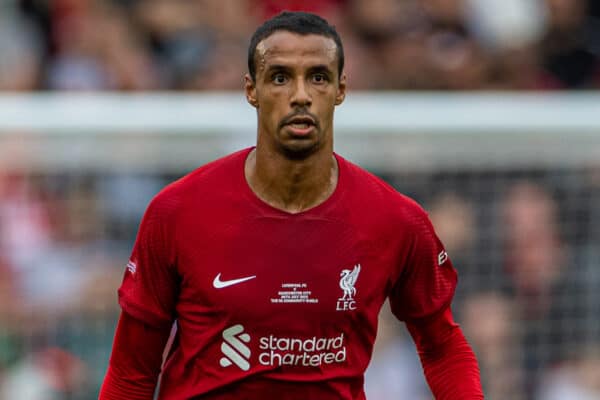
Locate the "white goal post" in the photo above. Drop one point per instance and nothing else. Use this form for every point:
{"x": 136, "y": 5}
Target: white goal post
{"x": 380, "y": 130}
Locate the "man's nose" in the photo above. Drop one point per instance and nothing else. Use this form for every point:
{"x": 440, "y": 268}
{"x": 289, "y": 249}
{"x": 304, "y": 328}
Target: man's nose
{"x": 301, "y": 96}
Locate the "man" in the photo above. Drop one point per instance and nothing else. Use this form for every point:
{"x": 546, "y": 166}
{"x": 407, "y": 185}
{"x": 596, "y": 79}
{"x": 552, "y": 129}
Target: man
{"x": 275, "y": 261}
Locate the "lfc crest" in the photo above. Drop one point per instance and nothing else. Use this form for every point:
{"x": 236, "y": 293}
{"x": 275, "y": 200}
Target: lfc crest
{"x": 347, "y": 282}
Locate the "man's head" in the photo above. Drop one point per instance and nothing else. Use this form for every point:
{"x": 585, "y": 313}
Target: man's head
{"x": 301, "y": 23}
{"x": 295, "y": 80}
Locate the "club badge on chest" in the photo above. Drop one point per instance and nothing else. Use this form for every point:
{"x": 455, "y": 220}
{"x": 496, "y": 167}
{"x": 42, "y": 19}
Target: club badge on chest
{"x": 347, "y": 282}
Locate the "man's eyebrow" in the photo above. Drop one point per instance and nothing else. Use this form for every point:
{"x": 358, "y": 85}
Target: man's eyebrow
{"x": 321, "y": 68}
{"x": 315, "y": 68}
{"x": 278, "y": 67}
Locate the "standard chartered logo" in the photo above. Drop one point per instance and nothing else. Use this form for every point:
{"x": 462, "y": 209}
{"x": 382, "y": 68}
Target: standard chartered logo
{"x": 234, "y": 349}
{"x": 277, "y": 351}
{"x": 311, "y": 352}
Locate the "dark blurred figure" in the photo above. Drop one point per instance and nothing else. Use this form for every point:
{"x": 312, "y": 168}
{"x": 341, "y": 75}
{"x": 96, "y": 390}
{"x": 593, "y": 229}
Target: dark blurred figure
{"x": 418, "y": 44}
{"x": 21, "y": 50}
{"x": 395, "y": 370}
{"x": 554, "y": 288}
{"x": 509, "y": 32}
{"x": 96, "y": 47}
{"x": 570, "y": 50}
{"x": 408, "y": 44}
{"x": 176, "y": 39}
{"x": 578, "y": 379}
{"x": 270, "y": 8}
{"x": 57, "y": 308}
{"x": 457, "y": 60}
{"x": 49, "y": 374}
{"x": 536, "y": 264}
{"x": 535, "y": 253}
{"x": 453, "y": 217}
{"x": 488, "y": 319}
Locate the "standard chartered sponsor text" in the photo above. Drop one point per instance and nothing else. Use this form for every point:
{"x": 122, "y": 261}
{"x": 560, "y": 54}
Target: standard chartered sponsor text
{"x": 311, "y": 352}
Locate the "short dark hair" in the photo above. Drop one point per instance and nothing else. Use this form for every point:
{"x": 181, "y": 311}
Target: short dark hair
{"x": 299, "y": 22}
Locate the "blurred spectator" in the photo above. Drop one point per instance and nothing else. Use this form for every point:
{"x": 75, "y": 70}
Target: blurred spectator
{"x": 52, "y": 374}
{"x": 395, "y": 371}
{"x": 506, "y": 24}
{"x": 224, "y": 70}
{"x": 509, "y": 32}
{"x": 372, "y": 28}
{"x": 57, "y": 281}
{"x": 454, "y": 220}
{"x": 391, "y": 44}
{"x": 579, "y": 379}
{"x": 535, "y": 254}
{"x": 488, "y": 321}
{"x": 592, "y": 197}
{"x": 25, "y": 227}
{"x": 178, "y": 39}
{"x": 321, "y": 7}
{"x": 11, "y": 309}
{"x": 535, "y": 263}
{"x": 555, "y": 289}
{"x": 96, "y": 49}
{"x": 21, "y": 50}
{"x": 567, "y": 50}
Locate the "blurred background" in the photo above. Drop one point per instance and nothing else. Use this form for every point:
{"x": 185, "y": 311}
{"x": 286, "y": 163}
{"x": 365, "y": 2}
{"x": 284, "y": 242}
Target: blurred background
{"x": 484, "y": 111}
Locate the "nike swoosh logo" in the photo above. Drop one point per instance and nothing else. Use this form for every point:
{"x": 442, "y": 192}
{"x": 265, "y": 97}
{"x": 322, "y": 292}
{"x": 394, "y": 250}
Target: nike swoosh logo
{"x": 219, "y": 284}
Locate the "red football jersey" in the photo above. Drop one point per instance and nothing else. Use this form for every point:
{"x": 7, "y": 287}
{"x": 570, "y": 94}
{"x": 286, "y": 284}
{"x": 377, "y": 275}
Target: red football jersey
{"x": 269, "y": 303}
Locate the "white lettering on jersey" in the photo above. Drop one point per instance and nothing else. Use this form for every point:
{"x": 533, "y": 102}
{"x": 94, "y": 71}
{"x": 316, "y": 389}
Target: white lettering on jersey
{"x": 312, "y": 352}
{"x": 294, "y": 292}
{"x": 278, "y": 351}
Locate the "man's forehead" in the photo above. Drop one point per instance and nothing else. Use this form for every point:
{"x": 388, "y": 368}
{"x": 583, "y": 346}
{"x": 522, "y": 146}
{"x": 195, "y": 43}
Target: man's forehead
{"x": 283, "y": 43}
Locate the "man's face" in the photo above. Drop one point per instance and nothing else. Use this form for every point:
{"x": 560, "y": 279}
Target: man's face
{"x": 296, "y": 89}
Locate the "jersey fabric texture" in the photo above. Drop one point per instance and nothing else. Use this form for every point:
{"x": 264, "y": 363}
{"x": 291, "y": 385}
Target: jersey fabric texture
{"x": 272, "y": 302}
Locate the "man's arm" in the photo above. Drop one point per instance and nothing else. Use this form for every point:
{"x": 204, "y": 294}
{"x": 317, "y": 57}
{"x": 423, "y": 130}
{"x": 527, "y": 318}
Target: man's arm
{"x": 135, "y": 361}
{"x": 448, "y": 361}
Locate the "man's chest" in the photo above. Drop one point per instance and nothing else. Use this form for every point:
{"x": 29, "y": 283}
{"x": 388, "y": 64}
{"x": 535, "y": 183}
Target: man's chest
{"x": 268, "y": 269}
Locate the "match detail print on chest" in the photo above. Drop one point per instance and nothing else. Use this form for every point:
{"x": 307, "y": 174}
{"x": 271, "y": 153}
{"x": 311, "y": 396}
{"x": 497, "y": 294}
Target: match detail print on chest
{"x": 313, "y": 264}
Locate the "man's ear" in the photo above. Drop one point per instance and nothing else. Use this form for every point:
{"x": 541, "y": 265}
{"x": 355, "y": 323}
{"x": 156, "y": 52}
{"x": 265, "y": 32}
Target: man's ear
{"x": 341, "y": 90}
{"x": 250, "y": 89}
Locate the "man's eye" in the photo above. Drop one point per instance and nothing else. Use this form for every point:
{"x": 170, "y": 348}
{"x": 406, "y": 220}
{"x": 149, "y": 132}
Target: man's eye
{"x": 279, "y": 79}
{"x": 319, "y": 78}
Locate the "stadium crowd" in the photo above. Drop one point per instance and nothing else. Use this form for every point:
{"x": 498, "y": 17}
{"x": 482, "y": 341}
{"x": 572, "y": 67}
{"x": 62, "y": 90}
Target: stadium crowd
{"x": 391, "y": 44}
{"x": 525, "y": 241}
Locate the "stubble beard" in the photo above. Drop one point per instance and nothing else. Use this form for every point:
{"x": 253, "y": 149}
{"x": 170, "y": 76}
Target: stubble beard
{"x": 299, "y": 151}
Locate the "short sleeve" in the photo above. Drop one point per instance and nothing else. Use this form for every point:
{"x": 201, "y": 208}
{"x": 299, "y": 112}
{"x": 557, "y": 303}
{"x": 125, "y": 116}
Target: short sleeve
{"x": 428, "y": 279}
{"x": 150, "y": 286}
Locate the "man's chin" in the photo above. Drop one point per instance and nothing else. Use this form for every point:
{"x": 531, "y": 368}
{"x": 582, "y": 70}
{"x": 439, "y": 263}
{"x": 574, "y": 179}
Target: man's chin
{"x": 299, "y": 149}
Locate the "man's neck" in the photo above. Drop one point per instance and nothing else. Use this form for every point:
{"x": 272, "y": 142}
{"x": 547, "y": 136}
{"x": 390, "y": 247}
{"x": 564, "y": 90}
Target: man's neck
{"x": 291, "y": 185}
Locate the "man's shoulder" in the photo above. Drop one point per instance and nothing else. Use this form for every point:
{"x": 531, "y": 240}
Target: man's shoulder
{"x": 204, "y": 180}
{"x": 220, "y": 168}
{"x": 378, "y": 192}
